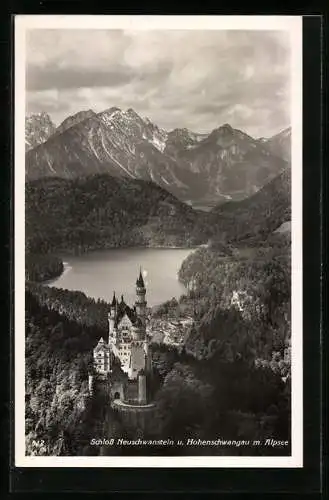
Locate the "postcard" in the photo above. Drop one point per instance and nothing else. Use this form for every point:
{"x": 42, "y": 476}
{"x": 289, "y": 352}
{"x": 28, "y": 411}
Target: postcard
{"x": 158, "y": 241}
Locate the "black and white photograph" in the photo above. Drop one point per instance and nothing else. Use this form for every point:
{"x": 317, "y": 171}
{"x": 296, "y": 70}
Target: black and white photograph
{"x": 158, "y": 311}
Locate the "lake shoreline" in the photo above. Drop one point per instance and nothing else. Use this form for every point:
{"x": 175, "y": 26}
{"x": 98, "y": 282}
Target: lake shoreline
{"x": 75, "y": 253}
{"x": 67, "y": 266}
{"x": 95, "y": 273}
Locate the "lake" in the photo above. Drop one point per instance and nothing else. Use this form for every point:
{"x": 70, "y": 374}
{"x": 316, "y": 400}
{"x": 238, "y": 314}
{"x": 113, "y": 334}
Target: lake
{"x": 99, "y": 273}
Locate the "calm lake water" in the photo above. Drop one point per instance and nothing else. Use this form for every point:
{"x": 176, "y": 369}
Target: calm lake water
{"x": 99, "y": 273}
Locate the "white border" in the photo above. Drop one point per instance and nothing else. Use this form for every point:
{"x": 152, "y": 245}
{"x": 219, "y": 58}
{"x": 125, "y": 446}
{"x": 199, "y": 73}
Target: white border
{"x": 292, "y": 24}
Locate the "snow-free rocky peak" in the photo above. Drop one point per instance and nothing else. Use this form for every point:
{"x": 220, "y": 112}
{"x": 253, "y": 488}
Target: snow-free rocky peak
{"x": 196, "y": 167}
{"x": 38, "y": 128}
{"x": 75, "y": 119}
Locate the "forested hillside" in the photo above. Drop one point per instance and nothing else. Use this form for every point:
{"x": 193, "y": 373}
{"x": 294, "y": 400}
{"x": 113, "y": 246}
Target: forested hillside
{"x": 229, "y": 399}
{"x": 243, "y": 303}
{"x": 257, "y": 216}
{"x": 241, "y": 337}
{"x": 74, "y": 305}
{"x": 42, "y": 267}
{"x": 104, "y": 212}
{"x": 58, "y": 356}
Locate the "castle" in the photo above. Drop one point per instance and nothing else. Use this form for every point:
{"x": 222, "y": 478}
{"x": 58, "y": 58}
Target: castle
{"x": 128, "y": 344}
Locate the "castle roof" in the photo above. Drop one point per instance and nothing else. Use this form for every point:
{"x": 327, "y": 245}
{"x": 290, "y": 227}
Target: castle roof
{"x": 114, "y": 300}
{"x": 123, "y": 310}
{"x": 101, "y": 345}
{"x": 140, "y": 281}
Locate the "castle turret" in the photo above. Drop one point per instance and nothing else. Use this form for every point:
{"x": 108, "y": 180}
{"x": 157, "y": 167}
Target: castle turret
{"x": 148, "y": 357}
{"x": 112, "y": 315}
{"x": 140, "y": 299}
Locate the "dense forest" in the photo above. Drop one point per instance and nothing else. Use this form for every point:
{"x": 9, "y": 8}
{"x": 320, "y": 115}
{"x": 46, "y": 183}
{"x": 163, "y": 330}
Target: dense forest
{"x": 242, "y": 300}
{"x": 74, "y": 305}
{"x": 42, "y": 267}
{"x": 58, "y": 356}
{"x": 213, "y": 398}
{"x": 242, "y": 333}
{"x": 104, "y": 212}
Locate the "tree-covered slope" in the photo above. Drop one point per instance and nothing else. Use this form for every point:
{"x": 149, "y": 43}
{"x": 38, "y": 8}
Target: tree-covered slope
{"x": 259, "y": 215}
{"x": 102, "y": 211}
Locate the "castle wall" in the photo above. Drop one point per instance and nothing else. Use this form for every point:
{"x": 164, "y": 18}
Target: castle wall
{"x": 117, "y": 388}
{"x": 142, "y": 398}
{"x": 140, "y": 419}
{"x": 131, "y": 393}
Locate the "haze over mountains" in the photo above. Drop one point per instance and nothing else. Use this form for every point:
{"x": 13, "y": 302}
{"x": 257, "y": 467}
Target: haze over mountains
{"x": 198, "y": 168}
{"x": 280, "y": 144}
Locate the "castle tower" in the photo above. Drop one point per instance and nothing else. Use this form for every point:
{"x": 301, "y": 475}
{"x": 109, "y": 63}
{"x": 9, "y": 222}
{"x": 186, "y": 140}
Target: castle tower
{"x": 142, "y": 392}
{"x": 112, "y": 316}
{"x": 140, "y": 299}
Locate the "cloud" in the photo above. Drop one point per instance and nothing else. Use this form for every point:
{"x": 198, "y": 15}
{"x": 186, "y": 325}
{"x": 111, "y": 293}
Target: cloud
{"x": 178, "y": 78}
{"x": 65, "y": 79}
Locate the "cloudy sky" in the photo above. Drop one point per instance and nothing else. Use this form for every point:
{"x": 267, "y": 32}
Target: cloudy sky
{"x": 193, "y": 79}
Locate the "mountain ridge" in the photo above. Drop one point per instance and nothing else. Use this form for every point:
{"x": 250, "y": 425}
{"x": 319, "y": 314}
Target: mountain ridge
{"x": 227, "y": 163}
{"x": 279, "y": 144}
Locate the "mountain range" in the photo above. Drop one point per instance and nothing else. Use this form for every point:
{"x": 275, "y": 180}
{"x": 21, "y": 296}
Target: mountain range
{"x": 203, "y": 169}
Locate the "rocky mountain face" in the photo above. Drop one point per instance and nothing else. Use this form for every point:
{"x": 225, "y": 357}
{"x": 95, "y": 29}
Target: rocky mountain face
{"x": 38, "y": 128}
{"x": 230, "y": 164}
{"x": 70, "y": 121}
{"x": 280, "y": 144}
{"x": 180, "y": 140}
{"x": 226, "y": 164}
{"x": 117, "y": 142}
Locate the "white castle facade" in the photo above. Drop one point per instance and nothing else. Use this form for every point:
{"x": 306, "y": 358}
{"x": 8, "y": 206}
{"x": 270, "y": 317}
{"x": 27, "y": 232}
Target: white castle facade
{"x": 127, "y": 342}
